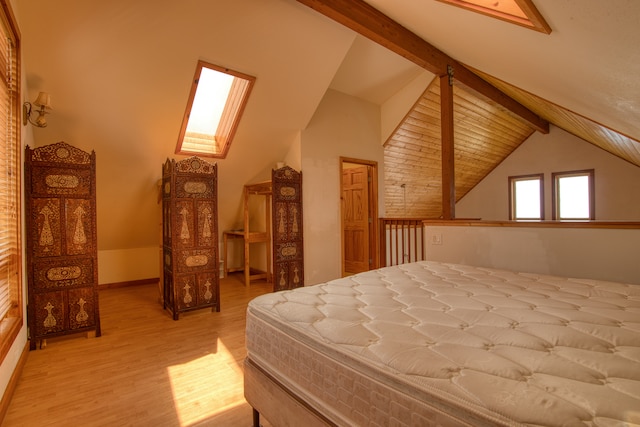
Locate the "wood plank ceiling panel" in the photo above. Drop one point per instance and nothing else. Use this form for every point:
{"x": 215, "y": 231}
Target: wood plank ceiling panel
{"x": 608, "y": 139}
{"x": 484, "y": 135}
{"x": 413, "y": 180}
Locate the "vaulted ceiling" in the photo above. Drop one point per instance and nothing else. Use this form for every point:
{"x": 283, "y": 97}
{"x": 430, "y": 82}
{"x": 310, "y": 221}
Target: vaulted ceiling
{"x": 119, "y": 73}
{"x": 484, "y": 136}
{"x": 586, "y": 65}
{"x": 484, "y": 133}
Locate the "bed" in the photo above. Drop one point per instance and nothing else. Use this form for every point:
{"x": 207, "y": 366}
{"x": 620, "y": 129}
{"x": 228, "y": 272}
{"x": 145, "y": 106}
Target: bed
{"x": 436, "y": 344}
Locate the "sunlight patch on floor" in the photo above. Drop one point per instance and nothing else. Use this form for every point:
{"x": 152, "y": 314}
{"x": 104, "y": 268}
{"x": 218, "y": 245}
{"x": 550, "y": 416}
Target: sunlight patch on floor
{"x": 206, "y": 386}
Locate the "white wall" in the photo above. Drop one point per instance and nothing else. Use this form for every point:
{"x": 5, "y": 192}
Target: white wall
{"x": 342, "y": 126}
{"x": 595, "y": 253}
{"x": 124, "y": 265}
{"x": 609, "y": 254}
{"x": 617, "y": 182}
{"x": 139, "y": 263}
{"x": 293, "y": 158}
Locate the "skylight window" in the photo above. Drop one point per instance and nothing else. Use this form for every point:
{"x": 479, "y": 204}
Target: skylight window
{"x": 216, "y": 102}
{"x": 519, "y": 12}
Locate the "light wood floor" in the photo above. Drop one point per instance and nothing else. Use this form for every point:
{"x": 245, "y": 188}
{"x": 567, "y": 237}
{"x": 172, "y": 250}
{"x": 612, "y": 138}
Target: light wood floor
{"x": 146, "y": 369}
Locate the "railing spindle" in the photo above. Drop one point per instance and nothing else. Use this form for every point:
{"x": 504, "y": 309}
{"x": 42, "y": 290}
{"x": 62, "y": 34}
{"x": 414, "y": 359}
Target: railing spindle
{"x": 401, "y": 241}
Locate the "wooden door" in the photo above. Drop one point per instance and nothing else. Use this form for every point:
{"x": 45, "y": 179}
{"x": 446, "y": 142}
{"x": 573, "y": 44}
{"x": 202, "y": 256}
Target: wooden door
{"x": 355, "y": 217}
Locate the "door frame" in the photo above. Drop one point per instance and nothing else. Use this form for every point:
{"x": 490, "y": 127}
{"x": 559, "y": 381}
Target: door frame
{"x": 372, "y": 188}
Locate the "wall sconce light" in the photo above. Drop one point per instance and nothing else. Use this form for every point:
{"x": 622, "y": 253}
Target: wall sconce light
{"x": 44, "y": 102}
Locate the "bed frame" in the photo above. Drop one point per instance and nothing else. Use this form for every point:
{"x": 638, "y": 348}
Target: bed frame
{"x": 281, "y": 407}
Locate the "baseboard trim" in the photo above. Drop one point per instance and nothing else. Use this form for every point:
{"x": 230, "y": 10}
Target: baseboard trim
{"x": 13, "y": 382}
{"x": 128, "y": 283}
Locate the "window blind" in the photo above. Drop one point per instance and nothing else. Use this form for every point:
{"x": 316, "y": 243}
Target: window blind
{"x": 9, "y": 173}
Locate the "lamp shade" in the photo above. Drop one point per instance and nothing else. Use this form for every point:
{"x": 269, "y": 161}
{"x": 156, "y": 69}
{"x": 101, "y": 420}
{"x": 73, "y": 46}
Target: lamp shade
{"x": 43, "y": 100}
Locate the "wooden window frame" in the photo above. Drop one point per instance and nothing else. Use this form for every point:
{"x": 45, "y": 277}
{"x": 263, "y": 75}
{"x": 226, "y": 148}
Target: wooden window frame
{"x": 512, "y": 195}
{"x": 233, "y": 111}
{"x": 12, "y": 323}
{"x": 555, "y": 194}
{"x": 533, "y": 20}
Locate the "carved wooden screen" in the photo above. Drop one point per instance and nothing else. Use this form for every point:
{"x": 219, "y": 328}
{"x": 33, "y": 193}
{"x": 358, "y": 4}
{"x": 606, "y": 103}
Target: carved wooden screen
{"x": 190, "y": 235}
{"x": 60, "y": 194}
{"x": 286, "y": 205}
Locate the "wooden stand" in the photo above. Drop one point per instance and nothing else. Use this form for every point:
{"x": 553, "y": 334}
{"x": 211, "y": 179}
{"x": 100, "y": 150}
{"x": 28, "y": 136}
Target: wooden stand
{"x": 262, "y": 189}
{"x": 283, "y": 235}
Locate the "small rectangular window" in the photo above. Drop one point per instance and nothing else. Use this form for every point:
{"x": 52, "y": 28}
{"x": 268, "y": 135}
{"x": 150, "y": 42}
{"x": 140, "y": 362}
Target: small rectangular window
{"x": 573, "y": 195}
{"x": 526, "y": 201}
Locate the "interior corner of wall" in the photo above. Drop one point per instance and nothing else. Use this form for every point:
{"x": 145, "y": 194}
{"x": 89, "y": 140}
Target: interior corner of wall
{"x": 293, "y": 157}
{"x": 394, "y": 109}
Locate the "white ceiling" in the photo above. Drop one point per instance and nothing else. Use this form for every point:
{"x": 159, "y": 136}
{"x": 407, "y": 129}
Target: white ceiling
{"x": 372, "y": 72}
{"x": 119, "y": 73}
{"x": 587, "y": 64}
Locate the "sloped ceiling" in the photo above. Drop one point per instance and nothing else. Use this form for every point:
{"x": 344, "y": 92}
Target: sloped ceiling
{"x": 600, "y": 135}
{"x": 413, "y": 185}
{"x": 484, "y": 136}
{"x": 586, "y": 65}
{"x": 119, "y": 74}
{"x": 372, "y": 72}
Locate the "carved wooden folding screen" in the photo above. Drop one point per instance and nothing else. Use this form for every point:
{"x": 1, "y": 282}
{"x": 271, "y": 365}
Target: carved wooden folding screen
{"x": 190, "y": 235}
{"x": 288, "y": 259}
{"x": 62, "y": 266}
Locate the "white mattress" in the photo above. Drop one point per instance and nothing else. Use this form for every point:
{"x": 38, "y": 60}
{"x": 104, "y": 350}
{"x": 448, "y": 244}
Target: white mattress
{"x": 441, "y": 344}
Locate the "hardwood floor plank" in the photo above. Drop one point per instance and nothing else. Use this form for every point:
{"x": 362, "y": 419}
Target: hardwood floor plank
{"x": 146, "y": 369}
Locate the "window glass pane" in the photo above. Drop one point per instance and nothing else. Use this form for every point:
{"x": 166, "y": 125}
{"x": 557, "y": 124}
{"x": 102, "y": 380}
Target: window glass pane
{"x": 573, "y": 197}
{"x": 211, "y": 96}
{"x": 527, "y": 199}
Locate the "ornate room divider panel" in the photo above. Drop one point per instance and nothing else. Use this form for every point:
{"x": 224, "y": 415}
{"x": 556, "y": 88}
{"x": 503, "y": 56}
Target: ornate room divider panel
{"x": 62, "y": 255}
{"x": 288, "y": 259}
{"x": 190, "y": 235}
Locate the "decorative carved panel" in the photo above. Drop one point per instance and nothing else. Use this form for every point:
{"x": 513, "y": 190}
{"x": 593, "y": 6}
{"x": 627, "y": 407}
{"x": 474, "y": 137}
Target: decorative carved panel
{"x": 288, "y": 254}
{"x": 190, "y": 236}
{"x": 61, "y": 241}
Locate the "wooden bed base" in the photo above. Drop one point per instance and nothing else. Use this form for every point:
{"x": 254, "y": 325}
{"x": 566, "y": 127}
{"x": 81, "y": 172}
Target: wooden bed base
{"x": 279, "y": 405}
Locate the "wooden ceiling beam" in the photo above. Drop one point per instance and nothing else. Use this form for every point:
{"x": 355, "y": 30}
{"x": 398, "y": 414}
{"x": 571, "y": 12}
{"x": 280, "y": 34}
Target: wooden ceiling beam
{"x": 448, "y": 150}
{"x": 376, "y": 26}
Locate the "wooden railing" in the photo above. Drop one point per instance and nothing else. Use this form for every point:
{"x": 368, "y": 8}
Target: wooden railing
{"x": 401, "y": 241}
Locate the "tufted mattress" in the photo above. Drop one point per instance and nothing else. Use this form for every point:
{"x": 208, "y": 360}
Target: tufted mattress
{"x": 441, "y": 344}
